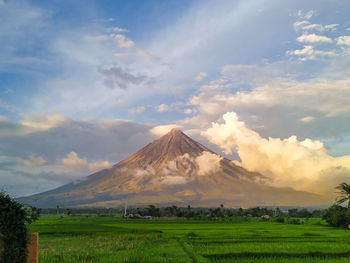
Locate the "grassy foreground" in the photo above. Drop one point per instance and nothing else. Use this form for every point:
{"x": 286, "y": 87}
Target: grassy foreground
{"x": 113, "y": 239}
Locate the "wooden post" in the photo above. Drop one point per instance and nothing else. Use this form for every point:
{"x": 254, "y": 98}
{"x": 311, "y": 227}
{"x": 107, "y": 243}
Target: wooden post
{"x": 1, "y": 244}
{"x": 33, "y": 248}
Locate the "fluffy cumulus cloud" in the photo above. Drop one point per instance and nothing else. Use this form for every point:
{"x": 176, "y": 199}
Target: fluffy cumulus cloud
{"x": 185, "y": 162}
{"x": 343, "y": 40}
{"x": 144, "y": 172}
{"x": 208, "y": 163}
{"x": 317, "y": 46}
{"x": 163, "y": 108}
{"x": 276, "y": 103}
{"x": 72, "y": 160}
{"x": 203, "y": 165}
{"x": 313, "y": 38}
{"x": 301, "y": 164}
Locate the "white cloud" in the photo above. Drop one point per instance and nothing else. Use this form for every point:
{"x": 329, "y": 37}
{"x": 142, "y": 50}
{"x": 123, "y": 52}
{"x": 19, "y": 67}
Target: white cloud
{"x": 122, "y": 41}
{"x": 93, "y": 139}
{"x": 300, "y": 24}
{"x": 200, "y": 76}
{"x": 304, "y": 165}
{"x": 306, "y": 26}
{"x": 313, "y": 38}
{"x": 332, "y": 27}
{"x": 208, "y": 163}
{"x": 137, "y": 110}
{"x": 145, "y": 54}
{"x": 97, "y": 38}
{"x": 119, "y": 30}
{"x": 174, "y": 180}
{"x": 307, "y": 119}
{"x": 312, "y": 27}
{"x": 309, "y": 53}
{"x": 72, "y": 160}
{"x": 164, "y": 108}
{"x": 163, "y": 129}
{"x": 307, "y": 15}
{"x": 188, "y": 111}
{"x": 328, "y": 97}
{"x": 144, "y": 172}
{"x": 343, "y": 40}
{"x": 33, "y": 161}
{"x": 42, "y": 122}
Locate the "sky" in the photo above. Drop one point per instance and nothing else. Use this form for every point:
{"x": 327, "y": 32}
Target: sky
{"x": 83, "y": 84}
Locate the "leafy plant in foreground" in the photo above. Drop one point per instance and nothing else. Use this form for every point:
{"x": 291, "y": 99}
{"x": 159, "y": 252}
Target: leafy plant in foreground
{"x": 344, "y": 194}
{"x": 14, "y": 218}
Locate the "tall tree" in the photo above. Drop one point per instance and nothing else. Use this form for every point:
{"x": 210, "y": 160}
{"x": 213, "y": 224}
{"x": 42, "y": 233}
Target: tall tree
{"x": 344, "y": 194}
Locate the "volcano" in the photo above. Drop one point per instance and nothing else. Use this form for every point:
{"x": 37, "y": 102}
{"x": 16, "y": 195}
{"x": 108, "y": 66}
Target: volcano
{"x": 173, "y": 170}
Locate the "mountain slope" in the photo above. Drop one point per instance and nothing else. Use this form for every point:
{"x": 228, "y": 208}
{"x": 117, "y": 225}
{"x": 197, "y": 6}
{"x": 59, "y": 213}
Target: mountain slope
{"x": 173, "y": 170}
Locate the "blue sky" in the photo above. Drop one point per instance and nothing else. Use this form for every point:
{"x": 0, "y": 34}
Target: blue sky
{"x": 84, "y": 83}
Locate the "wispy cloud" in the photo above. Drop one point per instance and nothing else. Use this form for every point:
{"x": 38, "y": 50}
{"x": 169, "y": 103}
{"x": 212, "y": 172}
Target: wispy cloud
{"x": 137, "y": 110}
{"x": 200, "y": 76}
{"x": 32, "y": 161}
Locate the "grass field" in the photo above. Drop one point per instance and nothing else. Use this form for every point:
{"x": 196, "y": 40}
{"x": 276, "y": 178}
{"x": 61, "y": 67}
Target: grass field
{"x": 113, "y": 239}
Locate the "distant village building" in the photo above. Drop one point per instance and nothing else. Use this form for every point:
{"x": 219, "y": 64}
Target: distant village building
{"x": 137, "y": 216}
{"x": 265, "y": 217}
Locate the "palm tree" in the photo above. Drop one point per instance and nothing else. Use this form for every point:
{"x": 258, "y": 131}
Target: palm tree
{"x": 344, "y": 194}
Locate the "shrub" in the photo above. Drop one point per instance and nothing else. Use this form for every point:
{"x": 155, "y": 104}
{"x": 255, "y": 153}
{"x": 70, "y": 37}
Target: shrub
{"x": 14, "y": 218}
{"x": 295, "y": 221}
{"x": 337, "y": 216}
{"x": 280, "y": 219}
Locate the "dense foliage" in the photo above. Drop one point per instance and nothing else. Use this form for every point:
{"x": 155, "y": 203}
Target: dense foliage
{"x": 221, "y": 213}
{"x": 337, "y": 216}
{"x": 14, "y": 218}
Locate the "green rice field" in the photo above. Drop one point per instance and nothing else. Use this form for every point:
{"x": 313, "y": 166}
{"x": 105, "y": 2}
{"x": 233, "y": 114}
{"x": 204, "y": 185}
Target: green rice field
{"x": 104, "y": 239}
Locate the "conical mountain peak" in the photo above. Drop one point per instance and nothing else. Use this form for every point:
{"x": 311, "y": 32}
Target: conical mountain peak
{"x": 171, "y": 145}
{"x": 176, "y": 131}
{"x": 173, "y": 169}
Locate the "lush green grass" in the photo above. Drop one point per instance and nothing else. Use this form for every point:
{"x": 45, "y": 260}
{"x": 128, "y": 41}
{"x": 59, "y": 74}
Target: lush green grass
{"x": 113, "y": 239}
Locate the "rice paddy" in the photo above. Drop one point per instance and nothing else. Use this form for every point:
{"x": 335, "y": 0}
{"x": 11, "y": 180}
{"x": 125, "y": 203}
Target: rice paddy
{"x": 93, "y": 238}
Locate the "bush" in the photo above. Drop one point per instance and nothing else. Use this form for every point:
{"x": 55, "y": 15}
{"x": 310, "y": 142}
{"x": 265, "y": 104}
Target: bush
{"x": 280, "y": 219}
{"x": 14, "y": 218}
{"x": 295, "y": 221}
{"x": 337, "y": 216}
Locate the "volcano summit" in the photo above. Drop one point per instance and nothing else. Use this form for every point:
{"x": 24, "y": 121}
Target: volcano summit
{"x": 173, "y": 170}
